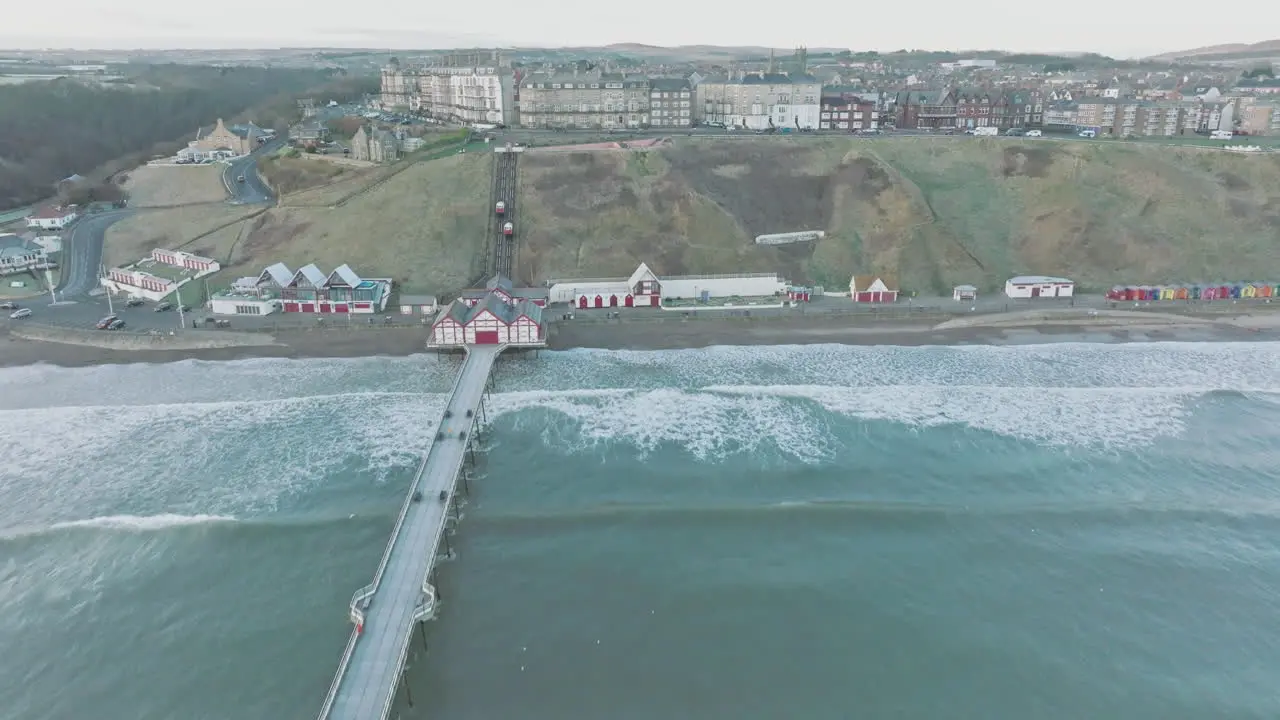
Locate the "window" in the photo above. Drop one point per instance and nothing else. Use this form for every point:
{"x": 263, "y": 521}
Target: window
{"x": 555, "y": 86}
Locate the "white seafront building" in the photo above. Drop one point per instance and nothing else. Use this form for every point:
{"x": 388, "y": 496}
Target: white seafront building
{"x": 1038, "y": 286}
{"x": 643, "y": 288}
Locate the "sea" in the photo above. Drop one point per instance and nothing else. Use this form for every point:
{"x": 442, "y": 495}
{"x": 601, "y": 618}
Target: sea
{"x": 1064, "y": 530}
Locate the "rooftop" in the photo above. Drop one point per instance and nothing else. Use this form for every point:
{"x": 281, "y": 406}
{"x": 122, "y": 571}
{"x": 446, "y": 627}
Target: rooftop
{"x": 1037, "y": 279}
{"x": 162, "y": 270}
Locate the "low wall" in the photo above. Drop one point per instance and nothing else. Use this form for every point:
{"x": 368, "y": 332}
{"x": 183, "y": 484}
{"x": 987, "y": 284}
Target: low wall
{"x": 129, "y": 341}
{"x": 1075, "y": 316}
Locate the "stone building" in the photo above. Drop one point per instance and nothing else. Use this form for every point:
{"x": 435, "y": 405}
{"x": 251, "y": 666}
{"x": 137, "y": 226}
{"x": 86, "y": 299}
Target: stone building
{"x": 584, "y": 100}
{"x": 464, "y": 88}
{"x": 670, "y": 102}
{"x": 760, "y": 101}
{"x": 221, "y": 139}
{"x": 378, "y": 146}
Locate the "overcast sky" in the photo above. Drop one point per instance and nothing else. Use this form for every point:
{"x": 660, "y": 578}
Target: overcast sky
{"x": 1124, "y": 29}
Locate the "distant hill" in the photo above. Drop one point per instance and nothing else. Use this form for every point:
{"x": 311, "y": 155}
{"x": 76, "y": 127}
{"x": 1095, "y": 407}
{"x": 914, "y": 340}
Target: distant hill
{"x": 1223, "y": 51}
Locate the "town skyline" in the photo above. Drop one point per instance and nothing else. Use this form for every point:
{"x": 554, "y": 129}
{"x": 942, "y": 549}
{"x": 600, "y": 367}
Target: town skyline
{"x": 1003, "y": 25}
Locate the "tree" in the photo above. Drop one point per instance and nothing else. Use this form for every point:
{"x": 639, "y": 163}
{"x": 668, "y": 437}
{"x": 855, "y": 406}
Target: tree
{"x": 57, "y": 128}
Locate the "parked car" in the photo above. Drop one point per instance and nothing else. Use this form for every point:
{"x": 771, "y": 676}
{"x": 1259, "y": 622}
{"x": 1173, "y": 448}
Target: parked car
{"x": 186, "y": 308}
{"x": 133, "y": 302}
{"x": 105, "y": 322}
{"x": 162, "y": 307}
{"x": 20, "y": 313}
{"x": 1035, "y": 133}
{"x": 9, "y": 306}
{"x": 116, "y": 324}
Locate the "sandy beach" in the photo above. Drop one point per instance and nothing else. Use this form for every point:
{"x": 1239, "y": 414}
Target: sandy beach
{"x": 677, "y": 333}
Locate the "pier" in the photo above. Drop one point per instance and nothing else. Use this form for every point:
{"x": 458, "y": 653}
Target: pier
{"x": 403, "y": 593}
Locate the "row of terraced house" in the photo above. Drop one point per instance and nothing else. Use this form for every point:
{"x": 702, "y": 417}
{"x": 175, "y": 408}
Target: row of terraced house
{"x": 482, "y": 88}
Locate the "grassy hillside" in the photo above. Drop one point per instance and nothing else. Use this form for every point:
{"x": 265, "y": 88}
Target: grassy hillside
{"x": 935, "y": 211}
{"x": 426, "y": 228}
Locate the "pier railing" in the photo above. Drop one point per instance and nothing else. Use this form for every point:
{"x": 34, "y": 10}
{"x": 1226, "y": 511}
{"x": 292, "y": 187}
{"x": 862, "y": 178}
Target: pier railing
{"x": 440, "y": 530}
{"x": 360, "y": 601}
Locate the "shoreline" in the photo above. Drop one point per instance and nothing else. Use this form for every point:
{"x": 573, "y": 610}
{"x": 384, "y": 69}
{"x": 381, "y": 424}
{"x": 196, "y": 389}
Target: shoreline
{"x": 997, "y": 330}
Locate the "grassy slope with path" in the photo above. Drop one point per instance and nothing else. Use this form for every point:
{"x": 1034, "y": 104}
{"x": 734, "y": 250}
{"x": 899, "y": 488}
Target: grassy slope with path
{"x": 936, "y": 211}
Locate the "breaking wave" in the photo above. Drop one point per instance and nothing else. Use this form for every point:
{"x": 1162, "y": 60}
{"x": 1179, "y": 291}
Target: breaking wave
{"x": 142, "y": 523}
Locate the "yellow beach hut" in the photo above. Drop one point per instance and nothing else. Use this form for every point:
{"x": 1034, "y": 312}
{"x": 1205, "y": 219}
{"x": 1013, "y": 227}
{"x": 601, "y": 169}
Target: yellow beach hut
{"x": 1248, "y": 290}
{"x": 1168, "y": 293}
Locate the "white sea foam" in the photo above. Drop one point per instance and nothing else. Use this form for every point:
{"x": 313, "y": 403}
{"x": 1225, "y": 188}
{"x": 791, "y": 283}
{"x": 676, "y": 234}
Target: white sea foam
{"x": 222, "y": 458}
{"x": 142, "y": 523}
{"x": 706, "y": 425}
{"x": 155, "y": 439}
{"x": 1112, "y": 417}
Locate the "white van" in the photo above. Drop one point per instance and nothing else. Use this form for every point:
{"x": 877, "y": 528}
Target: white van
{"x": 1034, "y": 133}
{"x": 1088, "y": 133}
{"x": 1221, "y": 135}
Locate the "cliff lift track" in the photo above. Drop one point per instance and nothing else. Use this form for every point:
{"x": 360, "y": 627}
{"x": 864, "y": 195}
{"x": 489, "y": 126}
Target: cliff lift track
{"x": 505, "y": 176}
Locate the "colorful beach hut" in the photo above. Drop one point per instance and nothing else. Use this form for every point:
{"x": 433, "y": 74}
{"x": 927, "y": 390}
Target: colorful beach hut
{"x": 1168, "y": 293}
{"x": 1181, "y": 293}
{"x": 1235, "y": 289}
{"x": 1247, "y": 290}
{"x": 1263, "y": 290}
{"x": 1194, "y": 292}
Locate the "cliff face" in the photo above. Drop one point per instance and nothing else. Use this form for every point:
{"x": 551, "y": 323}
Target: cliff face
{"x": 936, "y": 212}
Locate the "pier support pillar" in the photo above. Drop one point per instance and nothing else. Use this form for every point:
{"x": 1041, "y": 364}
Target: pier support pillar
{"x": 408, "y": 692}
{"x": 422, "y": 633}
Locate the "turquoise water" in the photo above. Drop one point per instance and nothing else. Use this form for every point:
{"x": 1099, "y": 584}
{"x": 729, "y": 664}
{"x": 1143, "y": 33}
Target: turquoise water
{"x": 1054, "y": 531}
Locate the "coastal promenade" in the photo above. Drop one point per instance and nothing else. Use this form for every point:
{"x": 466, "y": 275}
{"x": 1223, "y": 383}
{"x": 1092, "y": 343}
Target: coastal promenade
{"x": 402, "y": 594}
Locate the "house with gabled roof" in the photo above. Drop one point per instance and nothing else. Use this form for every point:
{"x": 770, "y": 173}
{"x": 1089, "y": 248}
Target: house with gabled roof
{"x": 502, "y": 286}
{"x": 308, "y": 290}
{"x": 52, "y": 217}
{"x": 873, "y": 289}
{"x": 492, "y": 320}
